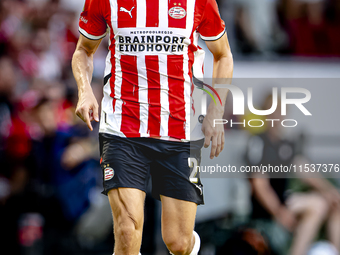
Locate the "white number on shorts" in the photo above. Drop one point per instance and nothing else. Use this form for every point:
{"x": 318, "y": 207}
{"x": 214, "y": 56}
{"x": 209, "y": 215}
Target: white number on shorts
{"x": 192, "y": 162}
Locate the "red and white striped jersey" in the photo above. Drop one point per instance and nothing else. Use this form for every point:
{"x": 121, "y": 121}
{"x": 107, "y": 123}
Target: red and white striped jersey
{"x": 147, "y": 90}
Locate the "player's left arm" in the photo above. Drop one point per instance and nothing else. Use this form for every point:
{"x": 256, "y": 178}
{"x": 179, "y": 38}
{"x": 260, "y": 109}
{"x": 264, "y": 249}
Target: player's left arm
{"x": 222, "y": 74}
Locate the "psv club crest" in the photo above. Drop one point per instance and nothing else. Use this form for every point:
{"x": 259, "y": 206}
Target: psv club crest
{"x": 108, "y": 173}
{"x": 177, "y": 12}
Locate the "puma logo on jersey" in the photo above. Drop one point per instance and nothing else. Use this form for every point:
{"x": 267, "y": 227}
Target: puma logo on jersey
{"x": 122, "y": 9}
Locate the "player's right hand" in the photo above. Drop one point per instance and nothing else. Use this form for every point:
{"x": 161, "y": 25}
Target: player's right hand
{"x": 87, "y": 108}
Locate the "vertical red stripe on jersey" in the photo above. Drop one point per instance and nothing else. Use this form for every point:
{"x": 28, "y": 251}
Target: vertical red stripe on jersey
{"x": 152, "y": 13}
{"x": 127, "y": 13}
{"x": 177, "y": 13}
{"x": 176, "y": 97}
{"x": 154, "y": 95}
{"x": 129, "y": 95}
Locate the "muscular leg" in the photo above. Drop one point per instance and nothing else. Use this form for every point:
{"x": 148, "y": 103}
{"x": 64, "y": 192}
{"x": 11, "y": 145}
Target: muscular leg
{"x": 127, "y": 206}
{"x": 178, "y": 220}
{"x": 312, "y": 209}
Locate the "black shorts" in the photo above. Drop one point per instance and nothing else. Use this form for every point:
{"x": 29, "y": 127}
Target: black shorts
{"x": 129, "y": 162}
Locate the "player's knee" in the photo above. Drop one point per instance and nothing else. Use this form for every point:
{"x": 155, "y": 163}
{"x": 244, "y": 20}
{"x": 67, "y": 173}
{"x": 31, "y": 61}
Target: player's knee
{"x": 178, "y": 244}
{"x": 178, "y": 247}
{"x": 127, "y": 232}
{"x": 129, "y": 228}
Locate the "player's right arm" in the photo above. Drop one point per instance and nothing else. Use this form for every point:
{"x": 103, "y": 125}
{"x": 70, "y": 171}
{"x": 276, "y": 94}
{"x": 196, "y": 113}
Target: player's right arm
{"x": 212, "y": 31}
{"x": 92, "y": 28}
{"x": 82, "y": 67}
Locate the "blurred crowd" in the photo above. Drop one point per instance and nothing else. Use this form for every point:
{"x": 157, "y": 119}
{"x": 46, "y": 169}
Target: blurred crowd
{"x": 48, "y": 158}
{"x": 283, "y": 27}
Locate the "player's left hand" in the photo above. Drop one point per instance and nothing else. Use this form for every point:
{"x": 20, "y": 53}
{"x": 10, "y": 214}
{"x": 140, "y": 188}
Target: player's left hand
{"x": 213, "y": 134}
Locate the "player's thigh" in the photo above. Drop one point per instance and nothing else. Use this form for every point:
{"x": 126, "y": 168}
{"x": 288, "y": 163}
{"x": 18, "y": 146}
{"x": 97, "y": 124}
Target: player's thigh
{"x": 127, "y": 206}
{"x": 178, "y": 217}
{"x": 175, "y": 174}
{"x": 123, "y": 163}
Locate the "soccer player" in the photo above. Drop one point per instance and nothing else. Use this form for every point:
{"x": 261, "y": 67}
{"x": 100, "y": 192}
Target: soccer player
{"x": 146, "y": 109}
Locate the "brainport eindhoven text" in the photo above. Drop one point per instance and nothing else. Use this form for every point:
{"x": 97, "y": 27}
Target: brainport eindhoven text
{"x": 151, "y": 43}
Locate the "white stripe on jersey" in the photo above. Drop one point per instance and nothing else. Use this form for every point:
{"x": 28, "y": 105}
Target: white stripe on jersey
{"x": 195, "y": 38}
{"x": 107, "y": 100}
{"x": 143, "y": 96}
{"x": 142, "y": 76}
{"x": 141, "y": 13}
{"x": 187, "y": 83}
{"x": 163, "y": 71}
{"x": 117, "y": 120}
{"x": 163, "y": 14}
{"x": 190, "y": 15}
{"x": 114, "y": 15}
{"x": 187, "y": 92}
{"x": 114, "y": 117}
{"x": 108, "y": 65}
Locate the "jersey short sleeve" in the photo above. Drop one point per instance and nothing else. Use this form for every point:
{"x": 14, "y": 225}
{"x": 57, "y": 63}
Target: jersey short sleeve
{"x": 92, "y": 24}
{"x": 212, "y": 27}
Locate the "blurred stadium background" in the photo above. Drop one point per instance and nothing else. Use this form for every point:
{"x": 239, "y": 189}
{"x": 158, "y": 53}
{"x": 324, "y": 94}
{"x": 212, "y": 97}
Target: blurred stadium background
{"x": 50, "y": 181}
